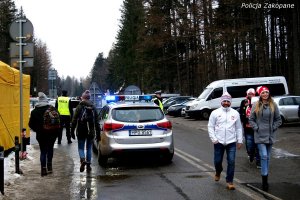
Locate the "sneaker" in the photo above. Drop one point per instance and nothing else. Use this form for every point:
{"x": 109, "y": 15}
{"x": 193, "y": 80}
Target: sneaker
{"x": 258, "y": 166}
{"x": 230, "y": 186}
{"x": 217, "y": 176}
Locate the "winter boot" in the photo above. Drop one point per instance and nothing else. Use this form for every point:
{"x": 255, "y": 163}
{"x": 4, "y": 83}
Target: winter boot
{"x": 88, "y": 167}
{"x": 49, "y": 168}
{"x": 265, "y": 185}
{"x": 230, "y": 186}
{"x": 44, "y": 171}
{"x": 217, "y": 176}
{"x": 83, "y": 163}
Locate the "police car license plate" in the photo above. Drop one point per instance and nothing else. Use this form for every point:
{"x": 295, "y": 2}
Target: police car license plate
{"x": 140, "y": 132}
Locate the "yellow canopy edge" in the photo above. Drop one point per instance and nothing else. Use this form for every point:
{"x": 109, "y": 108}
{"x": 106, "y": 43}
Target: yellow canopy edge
{"x": 10, "y": 105}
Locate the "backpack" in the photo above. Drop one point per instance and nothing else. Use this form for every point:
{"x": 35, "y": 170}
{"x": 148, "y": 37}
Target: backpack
{"x": 248, "y": 113}
{"x": 86, "y": 120}
{"x": 51, "y": 119}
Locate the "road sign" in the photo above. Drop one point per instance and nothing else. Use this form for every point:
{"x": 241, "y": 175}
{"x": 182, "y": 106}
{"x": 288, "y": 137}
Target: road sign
{"x": 52, "y": 74}
{"x": 27, "y": 62}
{"x": 15, "y": 50}
{"x": 27, "y": 30}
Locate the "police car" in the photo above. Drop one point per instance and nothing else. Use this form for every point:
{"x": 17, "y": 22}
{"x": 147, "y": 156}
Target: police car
{"x": 132, "y": 123}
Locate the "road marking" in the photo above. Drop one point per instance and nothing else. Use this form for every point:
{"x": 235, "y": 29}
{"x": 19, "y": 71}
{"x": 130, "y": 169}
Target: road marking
{"x": 196, "y": 162}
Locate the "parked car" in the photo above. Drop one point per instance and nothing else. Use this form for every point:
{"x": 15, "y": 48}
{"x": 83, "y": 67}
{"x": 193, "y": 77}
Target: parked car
{"x": 52, "y": 102}
{"x": 288, "y": 108}
{"x": 129, "y": 124}
{"x": 175, "y": 110}
{"x": 174, "y": 100}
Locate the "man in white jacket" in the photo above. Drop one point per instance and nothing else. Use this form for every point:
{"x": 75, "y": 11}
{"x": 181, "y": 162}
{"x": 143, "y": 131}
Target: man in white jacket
{"x": 225, "y": 132}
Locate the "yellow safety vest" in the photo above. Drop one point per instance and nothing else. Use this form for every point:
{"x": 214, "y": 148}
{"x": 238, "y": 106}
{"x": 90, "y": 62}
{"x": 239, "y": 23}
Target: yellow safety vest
{"x": 63, "y": 105}
{"x": 160, "y": 104}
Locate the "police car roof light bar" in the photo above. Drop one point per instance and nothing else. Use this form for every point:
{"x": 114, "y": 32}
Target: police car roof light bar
{"x": 132, "y": 98}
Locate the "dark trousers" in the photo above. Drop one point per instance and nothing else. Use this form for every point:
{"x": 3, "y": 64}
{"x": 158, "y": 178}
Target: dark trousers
{"x": 251, "y": 147}
{"x": 219, "y": 150}
{"x": 65, "y": 121}
{"x": 46, "y": 148}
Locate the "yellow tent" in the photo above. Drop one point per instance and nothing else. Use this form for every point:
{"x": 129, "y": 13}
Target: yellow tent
{"x": 10, "y": 105}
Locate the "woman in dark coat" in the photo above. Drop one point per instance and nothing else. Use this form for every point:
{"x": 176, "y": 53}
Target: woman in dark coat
{"x": 45, "y": 138}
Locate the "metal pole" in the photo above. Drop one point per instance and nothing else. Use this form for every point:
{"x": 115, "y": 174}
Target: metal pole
{"x": 52, "y": 89}
{"x": 17, "y": 157}
{"x": 2, "y": 169}
{"x": 20, "y": 21}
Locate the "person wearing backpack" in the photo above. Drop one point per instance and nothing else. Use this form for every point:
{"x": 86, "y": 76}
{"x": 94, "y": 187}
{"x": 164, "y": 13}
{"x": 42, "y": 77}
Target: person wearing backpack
{"x": 65, "y": 109}
{"x": 46, "y": 133}
{"x": 85, "y": 120}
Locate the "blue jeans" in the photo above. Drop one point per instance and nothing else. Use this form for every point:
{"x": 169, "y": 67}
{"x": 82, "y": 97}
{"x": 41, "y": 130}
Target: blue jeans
{"x": 218, "y": 159}
{"x": 88, "y": 144}
{"x": 265, "y": 154}
{"x": 251, "y": 147}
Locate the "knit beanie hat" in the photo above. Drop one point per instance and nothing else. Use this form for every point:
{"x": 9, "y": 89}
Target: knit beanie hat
{"x": 261, "y": 89}
{"x": 226, "y": 97}
{"x": 86, "y": 95}
{"x": 250, "y": 91}
{"x": 42, "y": 97}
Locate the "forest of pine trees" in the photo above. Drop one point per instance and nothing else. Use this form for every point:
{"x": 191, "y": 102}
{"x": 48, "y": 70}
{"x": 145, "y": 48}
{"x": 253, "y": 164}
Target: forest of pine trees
{"x": 183, "y": 45}
{"x": 180, "y": 46}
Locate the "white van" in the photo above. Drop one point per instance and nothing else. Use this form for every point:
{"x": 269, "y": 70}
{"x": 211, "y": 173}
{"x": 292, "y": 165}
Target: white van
{"x": 209, "y": 99}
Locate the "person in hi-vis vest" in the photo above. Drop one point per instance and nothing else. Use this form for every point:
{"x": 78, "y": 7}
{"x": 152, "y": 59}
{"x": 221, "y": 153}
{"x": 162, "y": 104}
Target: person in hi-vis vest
{"x": 158, "y": 100}
{"x": 65, "y": 110}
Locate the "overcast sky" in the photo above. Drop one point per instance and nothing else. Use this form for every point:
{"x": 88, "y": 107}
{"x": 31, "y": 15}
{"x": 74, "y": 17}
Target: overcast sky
{"x": 74, "y": 31}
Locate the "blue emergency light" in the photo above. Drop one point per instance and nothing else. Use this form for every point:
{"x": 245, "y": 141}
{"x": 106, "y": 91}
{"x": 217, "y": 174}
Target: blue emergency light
{"x": 132, "y": 98}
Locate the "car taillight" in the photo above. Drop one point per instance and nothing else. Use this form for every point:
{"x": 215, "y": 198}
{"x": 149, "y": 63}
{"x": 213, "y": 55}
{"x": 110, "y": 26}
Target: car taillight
{"x": 167, "y": 125}
{"x": 112, "y": 126}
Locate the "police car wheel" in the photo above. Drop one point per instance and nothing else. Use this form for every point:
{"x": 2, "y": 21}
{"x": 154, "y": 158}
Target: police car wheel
{"x": 167, "y": 157}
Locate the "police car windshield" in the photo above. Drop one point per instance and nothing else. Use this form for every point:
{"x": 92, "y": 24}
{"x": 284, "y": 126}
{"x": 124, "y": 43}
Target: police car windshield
{"x": 137, "y": 114}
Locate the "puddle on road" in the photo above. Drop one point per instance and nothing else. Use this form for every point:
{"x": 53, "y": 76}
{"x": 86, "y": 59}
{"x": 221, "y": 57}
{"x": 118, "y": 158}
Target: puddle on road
{"x": 280, "y": 153}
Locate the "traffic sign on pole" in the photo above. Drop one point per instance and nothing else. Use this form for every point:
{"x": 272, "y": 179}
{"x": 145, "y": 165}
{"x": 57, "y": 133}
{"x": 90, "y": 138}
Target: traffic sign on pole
{"x": 21, "y": 30}
{"x": 27, "y": 30}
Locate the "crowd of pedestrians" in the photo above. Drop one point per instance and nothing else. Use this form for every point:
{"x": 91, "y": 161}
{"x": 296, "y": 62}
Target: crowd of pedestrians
{"x": 258, "y": 121}
{"x": 48, "y": 122}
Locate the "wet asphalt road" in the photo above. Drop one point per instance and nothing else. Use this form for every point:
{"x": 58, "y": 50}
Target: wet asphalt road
{"x": 188, "y": 177}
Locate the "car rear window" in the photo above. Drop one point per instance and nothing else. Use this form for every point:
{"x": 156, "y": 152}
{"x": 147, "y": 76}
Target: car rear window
{"x": 137, "y": 114}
